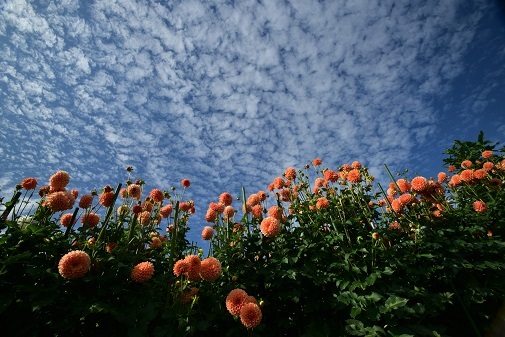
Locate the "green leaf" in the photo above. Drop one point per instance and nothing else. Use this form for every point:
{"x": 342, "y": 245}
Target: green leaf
{"x": 393, "y": 303}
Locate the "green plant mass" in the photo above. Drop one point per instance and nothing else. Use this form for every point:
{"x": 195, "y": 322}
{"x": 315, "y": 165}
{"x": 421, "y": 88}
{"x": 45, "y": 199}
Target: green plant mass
{"x": 320, "y": 252}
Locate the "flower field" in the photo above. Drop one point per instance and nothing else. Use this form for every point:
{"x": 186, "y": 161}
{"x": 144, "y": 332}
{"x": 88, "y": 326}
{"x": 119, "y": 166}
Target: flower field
{"x": 322, "y": 251}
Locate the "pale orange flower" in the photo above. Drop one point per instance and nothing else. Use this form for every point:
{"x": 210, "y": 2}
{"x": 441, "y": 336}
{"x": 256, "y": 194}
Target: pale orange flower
{"x": 134, "y": 191}
{"x": 207, "y": 233}
{"x": 156, "y": 195}
{"x": 250, "y": 315}
{"x": 210, "y": 269}
{"x": 262, "y": 195}
{"x": 229, "y": 212}
{"x": 356, "y": 165}
{"x": 466, "y": 164}
{"x": 479, "y": 206}
{"x": 275, "y": 212}
{"x": 480, "y": 174}
{"x": 322, "y": 203}
{"x": 86, "y": 201}
{"x": 181, "y": 267}
{"x": 330, "y": 175}
{"x": 466, "y": 175}
{"x": 145, "y": 218}
{"x": 106, "y": 199}
{"x": 419, "y": 184}
{"x": 142, "y": 272}
{"x": 253, "y": 200}
{"x": 278, "y": 183}
{"x": 59, "y": 201}
{"x": 90, "y": 219}
{"x": 442, "y": 177}
{"x": 270, "y": 227}
{"x": 29, "y": 183}
{"x": 59, "y": 180}
{"x": 185, "y": 183}
{"x": 487, "y": 154}
{"x": 235, "y": 300}
{"x": 166, "y": 210}
{"x": 455, "y": 180}
{"x": 257, "y": 211}
{"x": 226, "y": 198}
{"x": 290, "y": 173}
{"x": 66, "y": 219}
{"x": 74, "y": 264}
{"x": 354, "y": 176}
{"x": 488, "y": 166}
{"x": 404, "y": 185}
{"x": 317, "y": 162}
{"x": 211, "y": 215}
{"x": 194, "y": 264}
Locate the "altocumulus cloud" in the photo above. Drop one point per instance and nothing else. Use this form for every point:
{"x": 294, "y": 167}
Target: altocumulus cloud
{"x": 226, "y": 93}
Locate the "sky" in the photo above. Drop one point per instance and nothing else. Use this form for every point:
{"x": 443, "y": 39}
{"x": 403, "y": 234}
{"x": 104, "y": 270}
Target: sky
{"x": 230, "y": 93}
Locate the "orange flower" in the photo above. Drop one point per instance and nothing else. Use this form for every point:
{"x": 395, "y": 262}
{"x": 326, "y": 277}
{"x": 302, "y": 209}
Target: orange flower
{"x": 207, "y": 233}
{"x": 419, "y": 184}
{"x": 106, "y": 199}
{"x": 375, "y": 236}
{"x": 354, "y": 176}
{"x": 211, "y": 215}
{"x": 229, "y": 212}
{"x": 210, "y": 269}
{"x": 278, "y": 183}
{"x": 253, "y": 200}
{"x": 156, "y": 195}
{"x": 262, "y": 195}
{"x": 406, "y": 199}
{"x": 480, "y": 174}
{"x": 181, "y": 267}
{"x": 134, "y": 191}
{"x": 392, "y": 191}
{"x": 250, "y": 315}
{"x": 257, "y": 211}
{"x": 455, "y": 180}
{"x": 479, "y": 206}
{"x": 466, "y": 175}
{"x": 317, "y": 162}
{"x": 217, "y": 207}
{"x": 404, "y": 185}
{"x": 145, "y": 218}
{"x": 488, "y": 166}
{"x": 225, "y": 198}
{"x": 90, "y": 219}
{"x": 466, "y": 164}
{"x": 330, "y": 175}
{"x": 487, "y": 154}
{"x": 74, "y": 264}
{"x": 397, "y": 206}
{"x": 442, "y": 177}
{"x": 320, "y": 182}
{"x": 59, "y": 180}
{"x": 29, "y": 183}
{"x": 142, "y": 271}
{"x": 235, "y": 300}
{"x": 155, "y": 243}
{"x": 451, "y": 168}
{"x": 86, "y": 201}
{"x": 66, "y": 219}
{"x": 270, "y": 227}
{"x": 194, "y": 264}
{"x": 322, "y": 203}
{"x": 166, "y": 210}
{"x": 275, "y": 212}
{"x": 290, "y": 173}
{"x": 59, "y": 201}
{"x": 185, "y": 183}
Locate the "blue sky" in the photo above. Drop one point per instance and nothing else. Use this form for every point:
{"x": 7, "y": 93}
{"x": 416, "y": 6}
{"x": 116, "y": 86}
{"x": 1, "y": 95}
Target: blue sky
{"x": 230, "y": 93}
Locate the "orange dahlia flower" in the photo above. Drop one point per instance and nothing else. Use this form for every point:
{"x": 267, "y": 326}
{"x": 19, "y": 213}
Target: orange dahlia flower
{"x": 235, "y": 300}
{"x": 142, "y": 271}
{"x": 250, "y": 315}
{"x": 74, "y": 264}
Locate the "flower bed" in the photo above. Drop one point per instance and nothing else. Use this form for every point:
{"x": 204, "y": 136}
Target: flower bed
{"x": 321, "y": 252}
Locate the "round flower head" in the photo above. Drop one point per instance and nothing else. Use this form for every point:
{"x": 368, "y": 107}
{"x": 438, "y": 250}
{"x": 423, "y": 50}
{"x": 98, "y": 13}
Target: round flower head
{"x": 74, "y": 264}
{"x": 166, "y": 210}
{"x": 59, "y": 201}
{"x": 181, "y": 267}
{"x": 229, "y": 212}
{"x": 134, "y": 191}
{"x": 356, "y": 165}
{"x": 207, "y": 233}
{"x": 86, "y": 201}
{"x": 442, "y": 177}
{"x": 270, "y": 227}
{"x": 488, "y": 166}
{"x": 354, "y": 176}
{"x": 330, "y": 175}
{"x": 487, "y": 154}
{"x": 155, "y": 243}
{"x": 211, "y": 215}
{"x": 466, "y": 164}
{"x": 59, "y": 180}
{"x": 466, "y": 175}
{"x": 278, "y": 183}
{"x": 123, "y": 193}
{"x": 194, "y": 264}
{"x": 90, "y": 219}
{"x": 142, "y": 272}
{"x": 317, "y": 162}
{"x": 290, "y": 173}
{"x": 320, "y": 182}
{"x": 275, "y": 212}
{"x": 66, "y": 219}
{"x": 106, "y": 199}
{"x": 235, "y": 301}
{"x": 479, "y": 206}
{"x": 250, "y": 315}
{"x": 185, "y": 183}
{"x": 253, "y": 200}
{"x": 455, "y": 180}
{"x": 480, "y": 174}
{"x": 156, "y": 195}
{"x": 257, "y": 211}
{"x": 406, "y": 199}
{"x": 210, "y": 269}
{"x": 123, "y": 210}
{"x": 262, "y": 195}
{"x": 403, "y": 184}
{"x": 145, "y": 218}
{"x": 226, "y": 198}
{"x": 322, "y": 203}
{"x": 419, "y": 184}
{"x": 29, "y": 183}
